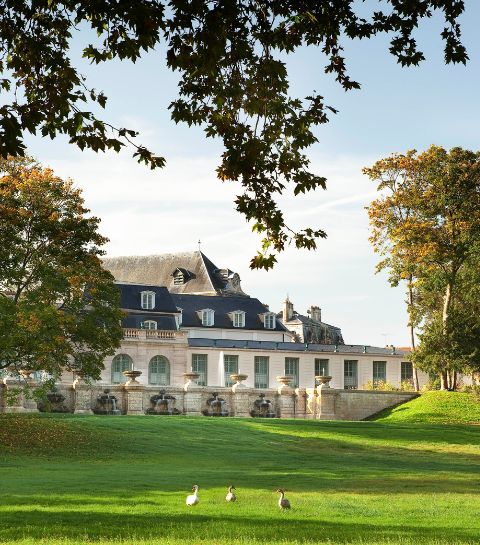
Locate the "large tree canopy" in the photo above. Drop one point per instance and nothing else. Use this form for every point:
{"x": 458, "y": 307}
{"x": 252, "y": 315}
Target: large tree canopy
{"x": 233, "y": 80}
{"x": 426, "y": 226}
{"x": 58, "y": 306}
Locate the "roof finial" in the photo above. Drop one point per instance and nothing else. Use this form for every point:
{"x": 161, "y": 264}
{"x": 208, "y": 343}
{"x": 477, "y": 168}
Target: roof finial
{"x": 199, "y": 245}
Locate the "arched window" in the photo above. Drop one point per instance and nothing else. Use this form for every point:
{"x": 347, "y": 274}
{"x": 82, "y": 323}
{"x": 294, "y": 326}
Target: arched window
{"x": 159, "y": 371}
{"x": 120, "y": 363}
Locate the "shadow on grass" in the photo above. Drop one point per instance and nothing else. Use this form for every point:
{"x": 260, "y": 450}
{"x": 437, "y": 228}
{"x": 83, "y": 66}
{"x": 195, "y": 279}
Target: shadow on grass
{"x": 286, "y": 526}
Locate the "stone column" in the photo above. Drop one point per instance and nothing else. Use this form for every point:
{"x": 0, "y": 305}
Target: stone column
{"x": 325, "y": 399}
{"x": 82, "y": 397}
{"x": 241, "y": 396}
{"x": 134, "y": 393}
{"x": 13, "y": 403}
{"x": 311, "y": 394}
{"x": 29, "y": 402}
{"x": 192, "y": 398}
{"x": 286, "y": 397}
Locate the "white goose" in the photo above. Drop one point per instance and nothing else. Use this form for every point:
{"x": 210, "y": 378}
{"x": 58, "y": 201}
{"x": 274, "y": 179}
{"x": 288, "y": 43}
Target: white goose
{"x": 283, "y": 503}
{"x": 193, "y": 499}
{"x": 230, "y": 495}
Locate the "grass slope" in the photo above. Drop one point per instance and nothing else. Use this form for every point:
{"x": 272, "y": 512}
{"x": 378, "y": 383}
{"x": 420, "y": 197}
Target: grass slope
{"x": 435, "y": 407}
{"x": 126, "y": 478}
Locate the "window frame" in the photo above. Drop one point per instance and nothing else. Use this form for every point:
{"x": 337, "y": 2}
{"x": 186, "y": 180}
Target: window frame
{"x": 149, "y": 322}
{"x": 157, "y": 360}
{"x": 376, "y": 376}
{"x": 403, "y": 378}
{"x": 207, "y": 316}
{"x": 296, "y": 363}
{"x": 318, "y": 364}
{"x": 126, "y": 364}
{"x": 269, "y": 320}
{"x": 204, "y": 373}
{"x": 354, "y": 366}
{"x": 232, "y": 360}
{"x": 238, "y": 318}
{"x": 147, "y": 298}
{"x": 257, "y": 361}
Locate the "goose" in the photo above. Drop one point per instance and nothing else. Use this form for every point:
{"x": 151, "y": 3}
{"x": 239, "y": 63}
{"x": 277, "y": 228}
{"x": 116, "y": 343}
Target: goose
{"x": 283, "y": 503}
{"x": 193, "y": 499}
{"x": 230, "y": 495}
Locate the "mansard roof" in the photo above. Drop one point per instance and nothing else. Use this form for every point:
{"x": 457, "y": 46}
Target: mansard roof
{"x": 223, "y": 306}
{"x": 130, "y": 298}
{"x": 201, "y": 275}
{"x": 341, "y": 349}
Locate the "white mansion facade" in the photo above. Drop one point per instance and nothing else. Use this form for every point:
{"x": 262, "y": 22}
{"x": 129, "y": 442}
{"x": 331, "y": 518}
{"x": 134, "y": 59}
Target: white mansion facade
{"x": 185, "y": 314}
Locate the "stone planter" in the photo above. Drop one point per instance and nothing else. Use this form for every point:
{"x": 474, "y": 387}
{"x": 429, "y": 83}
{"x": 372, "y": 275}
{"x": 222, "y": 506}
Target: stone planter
{"x": 238, "y": 378}
{"x": 190, "y": 380}
{"x": 285, "y": 379}
{"x": 132, "y": 376}
{"x": 323, "y": 381}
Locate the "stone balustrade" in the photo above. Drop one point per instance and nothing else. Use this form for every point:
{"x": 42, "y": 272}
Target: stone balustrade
{"x": 149, "y": 334}
{"x": 321, "y": 402}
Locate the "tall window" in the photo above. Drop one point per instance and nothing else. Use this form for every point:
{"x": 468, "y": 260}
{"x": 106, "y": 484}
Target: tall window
{"x": 148, "y": 300}
{"x": 230, "y": 366}
{"x": 148, "y": 324}
{"x": 291, "y": 368}
{"x": 207, "y": 317}
{"x": 350, "y": 378}
{"x": 120, "y": 363}
{"x": 159, "y": 371}
{"x": 200, "y": 366}
{"x": 406, "y": 371}
{"x": 239, "y": 319}
{"x": 379, "y": 372}
{"x": 321, "y": 367}
{"x": 261, "y": 371}
{"x": 269, "y": 320}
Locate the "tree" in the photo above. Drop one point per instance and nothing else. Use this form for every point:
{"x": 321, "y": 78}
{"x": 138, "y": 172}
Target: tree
{"x": 388, "y": 215}
{"x": 435, "y": 239}
{"x": 59, "y": 309}
{"x": 234, "y": 81}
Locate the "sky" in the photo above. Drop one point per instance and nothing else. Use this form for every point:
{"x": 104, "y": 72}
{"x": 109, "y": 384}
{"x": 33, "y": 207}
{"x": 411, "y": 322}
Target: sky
{"x": 170, "y": 210}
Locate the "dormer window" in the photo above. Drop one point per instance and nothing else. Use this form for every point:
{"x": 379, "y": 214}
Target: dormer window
{"x": 181, "y": 276}
{"x": 148, "y": 324}
{"x": 269, "y": 320}
{"x": 238, "y": 318}
{"x": 207, "y": 316}
{"x": 178, "y": 278}
{"x": 148, "y": 300}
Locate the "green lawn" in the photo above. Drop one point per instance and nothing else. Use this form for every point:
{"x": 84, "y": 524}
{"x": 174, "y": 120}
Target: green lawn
{"x": 435, "y": 408}
{"x": 100, "y": 480}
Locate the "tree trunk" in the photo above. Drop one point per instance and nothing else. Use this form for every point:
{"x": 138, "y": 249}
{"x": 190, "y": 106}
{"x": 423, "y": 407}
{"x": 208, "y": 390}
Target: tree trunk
{"x": 412, "y": 331}
{"x": 447, "y": 300}
{"x": 443, "y": 380}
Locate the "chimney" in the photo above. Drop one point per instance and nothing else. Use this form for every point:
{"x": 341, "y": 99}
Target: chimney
{"x": 287, "y": 312}
{"x": 315, "y": 313}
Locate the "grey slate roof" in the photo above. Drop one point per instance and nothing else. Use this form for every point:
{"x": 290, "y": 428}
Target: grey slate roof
{"x": 204, "y": 276}
{"x": 350, "y": 349}
{"x": 191, "y": 304}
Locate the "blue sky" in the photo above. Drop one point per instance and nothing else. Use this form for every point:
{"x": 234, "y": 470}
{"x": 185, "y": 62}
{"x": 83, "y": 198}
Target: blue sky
{"x": 146, "y": 212}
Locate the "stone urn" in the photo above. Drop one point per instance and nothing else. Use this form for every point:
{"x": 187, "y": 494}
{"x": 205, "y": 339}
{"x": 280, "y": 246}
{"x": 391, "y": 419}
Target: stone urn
{"x": 190, "y": 380}
{"x": 285, "y": 384}
{"x": 238, "y": 378}
{"x": 132, "y": 376}
{"x": 26, "y": 374}
{"x": 323, "y": 381}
